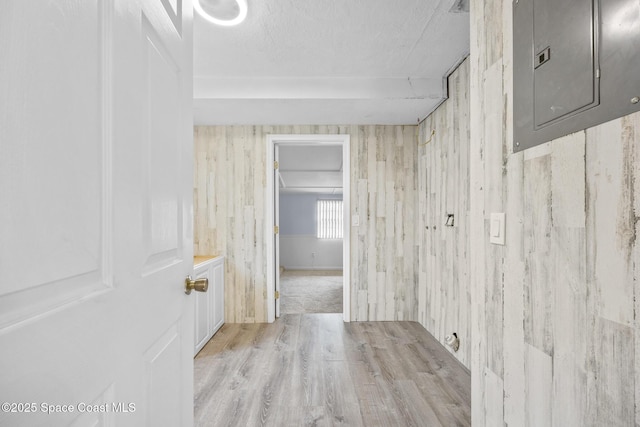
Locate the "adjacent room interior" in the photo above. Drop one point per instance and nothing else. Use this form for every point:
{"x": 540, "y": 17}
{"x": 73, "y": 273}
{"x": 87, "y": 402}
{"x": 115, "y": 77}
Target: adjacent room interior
{"x": 311, "y": 227}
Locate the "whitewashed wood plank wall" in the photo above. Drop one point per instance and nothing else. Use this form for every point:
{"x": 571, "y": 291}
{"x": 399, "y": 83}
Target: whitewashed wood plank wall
{"x": 551, "y": 316}
{"x": 555, "y": 336}
{"x": 444, "y": 300}
{"x": 229, "y": 204}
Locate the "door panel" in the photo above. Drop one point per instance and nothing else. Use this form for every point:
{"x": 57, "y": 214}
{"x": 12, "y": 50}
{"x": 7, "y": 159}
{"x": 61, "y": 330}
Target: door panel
{"x": 203, "y": 312}
{"x": 162, "y": 220}
{"x": 163, "y": 393}
{"x": 95, "y": 205}
{"x": 217, "y": 304}
{"x": 97, "y": 419}
{"x": 70, "y": 255}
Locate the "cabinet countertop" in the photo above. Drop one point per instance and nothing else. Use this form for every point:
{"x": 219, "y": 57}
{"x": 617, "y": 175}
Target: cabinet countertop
{"x": 201, "y": 259}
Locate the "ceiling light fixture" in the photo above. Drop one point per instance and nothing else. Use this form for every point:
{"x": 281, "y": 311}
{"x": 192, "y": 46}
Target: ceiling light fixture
{"x": 242, "y": 14}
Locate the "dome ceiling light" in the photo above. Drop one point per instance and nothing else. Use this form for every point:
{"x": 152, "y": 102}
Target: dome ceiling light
{"x": 242, "y": 14}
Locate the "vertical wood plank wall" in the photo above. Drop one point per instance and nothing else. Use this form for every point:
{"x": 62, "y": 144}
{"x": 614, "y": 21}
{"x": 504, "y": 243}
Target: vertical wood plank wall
{"x": 229, "y": 203}
{"x": 229, "y": 214}
{"x": 551, "y": 316}
{"x": 444, "y": 300}
{"x": 555, "y": 334}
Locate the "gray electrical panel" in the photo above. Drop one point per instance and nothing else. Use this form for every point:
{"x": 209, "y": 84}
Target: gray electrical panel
{"x": 576, "y": 64}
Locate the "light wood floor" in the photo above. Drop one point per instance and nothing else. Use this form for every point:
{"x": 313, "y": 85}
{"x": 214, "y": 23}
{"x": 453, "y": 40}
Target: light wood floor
{"x": 310, "y": 292}
{"x": 315, "y": 370}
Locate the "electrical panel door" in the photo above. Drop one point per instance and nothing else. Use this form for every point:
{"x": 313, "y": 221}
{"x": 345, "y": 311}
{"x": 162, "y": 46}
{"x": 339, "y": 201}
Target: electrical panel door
{"x": 576, "y": 64}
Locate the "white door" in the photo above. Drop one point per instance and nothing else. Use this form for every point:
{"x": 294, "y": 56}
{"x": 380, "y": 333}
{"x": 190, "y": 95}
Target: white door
{"x": 276, "y": 234}
{"x": 95, "y": 213}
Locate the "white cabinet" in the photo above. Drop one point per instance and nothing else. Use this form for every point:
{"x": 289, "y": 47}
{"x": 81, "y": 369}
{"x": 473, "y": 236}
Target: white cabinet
{"x": 209, "y": 306}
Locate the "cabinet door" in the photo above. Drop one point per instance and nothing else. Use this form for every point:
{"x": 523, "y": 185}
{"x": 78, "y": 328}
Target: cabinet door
{"x": 203, "y": 308}
{"x": 218, "y": 296}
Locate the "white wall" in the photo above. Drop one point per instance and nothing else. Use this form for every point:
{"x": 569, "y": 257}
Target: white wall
{"x": 307, "y": 252}
{"x": 300, "y": 249}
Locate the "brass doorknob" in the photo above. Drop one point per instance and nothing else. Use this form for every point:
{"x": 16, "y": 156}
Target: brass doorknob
{"x": 198, "y": 285}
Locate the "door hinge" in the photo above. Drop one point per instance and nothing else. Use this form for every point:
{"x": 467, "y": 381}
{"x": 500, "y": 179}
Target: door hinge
{"x": 276, "y": 229}
{"x": 277, "y": 294}
{"x": 276, "y": 165}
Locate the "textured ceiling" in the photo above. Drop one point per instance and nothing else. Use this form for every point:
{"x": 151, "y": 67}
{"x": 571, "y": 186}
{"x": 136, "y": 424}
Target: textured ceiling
{"x": 310, "y": 169}
{"x": 327, "y": 61}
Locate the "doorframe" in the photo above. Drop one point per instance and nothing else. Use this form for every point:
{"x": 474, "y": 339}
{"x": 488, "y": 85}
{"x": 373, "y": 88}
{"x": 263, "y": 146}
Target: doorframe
{"x": 318, "y": 140}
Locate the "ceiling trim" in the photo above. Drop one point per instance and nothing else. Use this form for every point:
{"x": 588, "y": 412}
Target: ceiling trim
{"x": 317, "y": 88}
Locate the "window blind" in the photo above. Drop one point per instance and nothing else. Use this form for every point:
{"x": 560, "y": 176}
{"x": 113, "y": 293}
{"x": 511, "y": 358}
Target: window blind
{"x": 330, "y": 225}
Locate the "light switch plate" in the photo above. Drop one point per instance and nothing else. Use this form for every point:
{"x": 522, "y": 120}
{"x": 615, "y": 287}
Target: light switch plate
{"x": 355, "y": 220}
{"x": 497, "y": 228}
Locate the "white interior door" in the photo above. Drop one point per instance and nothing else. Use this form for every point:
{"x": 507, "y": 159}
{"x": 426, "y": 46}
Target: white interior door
{"x": 95, "y": 213}
{"x": 276, "y": 235}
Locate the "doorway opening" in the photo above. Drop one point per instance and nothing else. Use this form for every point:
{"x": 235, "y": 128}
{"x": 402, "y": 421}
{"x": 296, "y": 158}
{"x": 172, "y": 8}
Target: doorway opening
{"x": 310, "y": 224}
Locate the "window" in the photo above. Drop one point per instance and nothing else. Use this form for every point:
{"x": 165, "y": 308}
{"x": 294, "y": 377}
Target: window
{"x": 329, "y": 219}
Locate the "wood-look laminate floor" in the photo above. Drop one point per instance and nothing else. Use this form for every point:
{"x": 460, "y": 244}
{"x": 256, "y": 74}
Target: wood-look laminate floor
{"x": 310, "y": 292}
{"x": 315, "y": 370}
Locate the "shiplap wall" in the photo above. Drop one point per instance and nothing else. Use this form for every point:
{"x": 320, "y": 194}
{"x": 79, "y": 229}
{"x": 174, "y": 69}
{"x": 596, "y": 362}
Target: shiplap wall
{"x": 229, "y": 204}
{"x": 444, "y": 300}
{"x": 555, "y": 336}
{"x": 229, "y": 214}
{"x": 384, "y": 246}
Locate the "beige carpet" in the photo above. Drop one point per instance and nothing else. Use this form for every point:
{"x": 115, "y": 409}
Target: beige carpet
{"x": 310, "y": 292}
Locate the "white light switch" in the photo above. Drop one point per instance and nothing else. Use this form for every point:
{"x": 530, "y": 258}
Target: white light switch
{"x": 355, "y": 220}
{"x": 497, "y": 228}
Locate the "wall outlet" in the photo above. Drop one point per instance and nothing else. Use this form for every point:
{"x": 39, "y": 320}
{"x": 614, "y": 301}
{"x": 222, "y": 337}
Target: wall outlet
{"x": 313, "y": 254}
